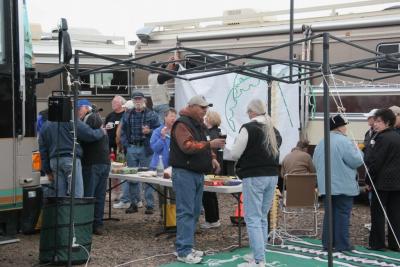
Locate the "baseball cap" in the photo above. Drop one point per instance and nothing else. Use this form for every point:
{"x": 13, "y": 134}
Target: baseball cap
{"x": 199, "y": 100}
{"x": 371, "y": 113}
{"x": 395, "y": 109}
{"x": 137, "y": 94}
{"x": 84, "y": 102}
{"x": 336, "y": 122}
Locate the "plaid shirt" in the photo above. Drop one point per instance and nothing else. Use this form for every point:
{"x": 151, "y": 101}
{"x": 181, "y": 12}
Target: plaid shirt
{"x": 132, "y": 123}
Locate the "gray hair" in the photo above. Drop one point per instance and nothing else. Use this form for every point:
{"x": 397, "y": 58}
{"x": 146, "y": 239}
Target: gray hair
{"x": 120, "y": 99}
{"x": 258, "y": 107}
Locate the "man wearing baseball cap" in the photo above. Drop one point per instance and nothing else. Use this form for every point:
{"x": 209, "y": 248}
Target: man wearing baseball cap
{"x": 370, "y": 133}
{"x": 137, "y": 127}
{"x": 191, "y": 157}
{"x": 95, "y": 164}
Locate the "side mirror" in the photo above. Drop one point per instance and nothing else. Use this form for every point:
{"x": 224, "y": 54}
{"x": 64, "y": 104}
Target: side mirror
{"x": 64, "y": 42}
{"x": 63, "y": 25}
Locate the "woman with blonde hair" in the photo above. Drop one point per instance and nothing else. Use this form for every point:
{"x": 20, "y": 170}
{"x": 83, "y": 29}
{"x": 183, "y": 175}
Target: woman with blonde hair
{"x": 257, "y": 150}
{"x": 210, "y": 201}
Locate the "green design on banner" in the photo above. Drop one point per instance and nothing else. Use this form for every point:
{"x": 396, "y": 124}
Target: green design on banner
{"x": 241, "y": 85}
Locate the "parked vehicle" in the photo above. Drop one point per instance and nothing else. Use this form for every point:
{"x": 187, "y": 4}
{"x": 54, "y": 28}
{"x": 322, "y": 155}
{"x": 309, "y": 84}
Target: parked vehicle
{"x": 245, "y": 31}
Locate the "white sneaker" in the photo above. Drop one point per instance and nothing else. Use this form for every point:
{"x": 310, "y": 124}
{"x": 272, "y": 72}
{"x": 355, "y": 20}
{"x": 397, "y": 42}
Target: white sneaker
{"x": 252, "y": 264}
{"x": 208, "y": 225}
{"x": 121, "y": 205}
{"x": 139, "y": 204}
{"x": 190, "y": 259}
{"x": 197, "y": 253}
{"x": 249, "y": 257}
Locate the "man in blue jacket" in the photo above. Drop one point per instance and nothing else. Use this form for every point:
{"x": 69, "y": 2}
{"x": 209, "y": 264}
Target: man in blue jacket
{"x": 345, "y": 159}
{"x": 56, "y": 145}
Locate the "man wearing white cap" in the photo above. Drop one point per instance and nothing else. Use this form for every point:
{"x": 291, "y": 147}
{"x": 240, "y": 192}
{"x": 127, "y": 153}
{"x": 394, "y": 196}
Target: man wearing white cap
{"x": 371, "y": 132}
{"x": 369, "y": 135}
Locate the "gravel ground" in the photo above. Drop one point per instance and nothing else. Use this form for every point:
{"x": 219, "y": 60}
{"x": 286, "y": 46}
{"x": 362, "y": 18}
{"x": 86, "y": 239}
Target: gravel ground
{"x": 133, "y": 238}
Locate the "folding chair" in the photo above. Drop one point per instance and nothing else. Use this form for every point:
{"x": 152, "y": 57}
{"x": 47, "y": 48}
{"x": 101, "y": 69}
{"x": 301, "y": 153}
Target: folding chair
{"x": 300, "y": 197}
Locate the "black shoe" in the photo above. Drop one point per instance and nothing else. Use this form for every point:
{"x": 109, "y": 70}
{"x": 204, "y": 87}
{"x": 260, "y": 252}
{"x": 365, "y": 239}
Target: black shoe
{"x": 342, "y": 250}
{"x": 98, "y": 230}
{"x": 376, "y": 248}
{"x": 132, "y": 209}
{"x": 149, "y": 211}
{"x": 394, "y": 248}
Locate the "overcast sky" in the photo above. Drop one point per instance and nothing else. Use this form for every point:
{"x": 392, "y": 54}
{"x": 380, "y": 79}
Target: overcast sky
{"x": 124, "y": 17}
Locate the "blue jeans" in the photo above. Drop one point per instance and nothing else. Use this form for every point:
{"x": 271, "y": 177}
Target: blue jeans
{"x": 136, "y": 157}
{"x": 161, "y": 110}
{"x": 188, "y": 187}
{"x": 341, "y": 212}
{"x": 64, "y": 175}
{"x": 258, "y": 193}
{"x": 95, "y": 184}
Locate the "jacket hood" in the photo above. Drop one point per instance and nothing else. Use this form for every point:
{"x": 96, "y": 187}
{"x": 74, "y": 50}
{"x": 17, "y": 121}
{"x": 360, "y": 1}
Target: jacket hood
{"x": 187, "y": 111}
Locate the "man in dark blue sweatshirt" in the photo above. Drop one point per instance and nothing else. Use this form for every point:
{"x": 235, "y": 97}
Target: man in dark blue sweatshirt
{"x": 56, "y": 141}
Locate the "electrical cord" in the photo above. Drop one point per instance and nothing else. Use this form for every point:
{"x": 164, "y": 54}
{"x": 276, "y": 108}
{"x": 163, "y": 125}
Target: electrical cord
{"x": 154, "y": 256}
{"x": 206, "y": 252}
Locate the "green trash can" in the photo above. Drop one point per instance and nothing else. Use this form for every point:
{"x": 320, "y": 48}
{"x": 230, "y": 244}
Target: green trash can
{"x": 54, "y": 233}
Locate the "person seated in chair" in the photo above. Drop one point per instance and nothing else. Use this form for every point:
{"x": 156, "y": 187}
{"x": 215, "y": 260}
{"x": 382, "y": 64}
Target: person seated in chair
{"x": 298, "y": 161}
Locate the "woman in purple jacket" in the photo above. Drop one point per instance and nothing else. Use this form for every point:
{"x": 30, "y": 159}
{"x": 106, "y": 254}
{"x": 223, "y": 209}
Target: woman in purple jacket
{"x": 159, "y": 143}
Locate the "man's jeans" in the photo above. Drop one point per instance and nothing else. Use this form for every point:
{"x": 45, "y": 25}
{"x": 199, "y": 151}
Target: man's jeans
{"x": 341, "y": 212}
{"x": 161, "y": 110}
{"x": 188, "y": 187}
{"x": 95, "y": 183}
{"x": 136, "y": 157}
{"x": 63, "y": 176}
{"x": 258, "y": 194}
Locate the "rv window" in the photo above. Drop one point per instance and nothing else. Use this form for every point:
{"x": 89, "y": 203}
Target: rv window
{"x": 105, "y": 83}
{"x": 112, "y": 83}
{"x": 198, "y": 60}
{"x": 2, "y": 52}
{"x": 388, "y": 49}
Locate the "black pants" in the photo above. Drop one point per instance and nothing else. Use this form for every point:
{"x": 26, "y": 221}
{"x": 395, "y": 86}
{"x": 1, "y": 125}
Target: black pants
{"x": 391, "y": 201}
{"x": 210, "y": 204}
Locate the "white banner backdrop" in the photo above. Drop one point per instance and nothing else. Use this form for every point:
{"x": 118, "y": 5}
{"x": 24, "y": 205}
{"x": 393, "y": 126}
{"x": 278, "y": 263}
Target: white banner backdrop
{"x": 230, "y": 95}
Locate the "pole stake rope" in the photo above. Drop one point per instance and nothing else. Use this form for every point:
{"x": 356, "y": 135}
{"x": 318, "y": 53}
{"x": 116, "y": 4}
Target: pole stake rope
{"x": 342, "y": 111}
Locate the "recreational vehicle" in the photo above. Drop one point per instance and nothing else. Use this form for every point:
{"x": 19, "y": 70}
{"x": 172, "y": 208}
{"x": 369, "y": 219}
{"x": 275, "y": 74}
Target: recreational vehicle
{"x": 99, "y": 88}
{"x": 20, "y": 192}
{"x": 245, "y": 31}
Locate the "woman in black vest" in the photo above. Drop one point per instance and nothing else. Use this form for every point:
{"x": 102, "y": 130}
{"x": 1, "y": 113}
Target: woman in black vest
{"x": 257, "y": 150}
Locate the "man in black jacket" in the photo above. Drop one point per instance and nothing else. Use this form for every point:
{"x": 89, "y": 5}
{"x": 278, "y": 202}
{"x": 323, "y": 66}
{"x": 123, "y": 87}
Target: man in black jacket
{"x": 95, "y": 164}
